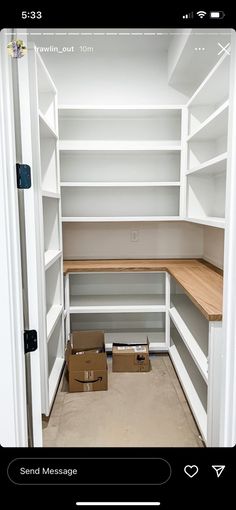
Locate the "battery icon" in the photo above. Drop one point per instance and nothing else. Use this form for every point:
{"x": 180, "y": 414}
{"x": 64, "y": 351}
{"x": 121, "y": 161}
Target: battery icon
{"x": 217, "y": 14}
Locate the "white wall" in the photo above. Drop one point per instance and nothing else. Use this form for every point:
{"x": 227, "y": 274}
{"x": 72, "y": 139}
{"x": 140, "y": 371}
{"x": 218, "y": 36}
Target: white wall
{"x": 106, "y": 240}
{"x": 113, "y": 77}
{"x": 213, "y": 250}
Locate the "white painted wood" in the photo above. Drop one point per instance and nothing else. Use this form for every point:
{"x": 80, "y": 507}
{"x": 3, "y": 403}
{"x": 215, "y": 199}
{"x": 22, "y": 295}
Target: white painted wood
{"x": 188, "y": 68}
{"x": 46, "y": 130}
{"x": 192, "y": 345}
{"x": 190, "y": 392}
{"x": 214, "y": 126}
{"x": 209, "y": 221}
{"x": 52, "y": 240}
{"x": 67, "y": 304}
{"x": 206, "y": 196}
{"x": 34, "y": 255}
{"x": 50, "y": 194}
{"x": 137, "y": 110}
{"x": 53, "y": 315}
{"x": 167, "y": 316}
{"x": 48, "y": 160}
{"x": 228, "y": 361}
{"x": 117, "y": 145}
{"x": 215, "y": 383}
{"x": 155, "y": 125}
{"x": 119, "y": 202}
{"x": 214, "y": 166}
{"x": 114, "y": 184}
{"x": 50, "y": 256}
{"x": 133, "y": 324}
{"x": 13, "y": 427}
{"x": 118, "y": 166}
{"x": 214, "y": 88}
{"x": 46, "y": 165}
{"x": 54, "y": 377}
{"x": 183, "y": 163}
{"x": 99, "y": 219}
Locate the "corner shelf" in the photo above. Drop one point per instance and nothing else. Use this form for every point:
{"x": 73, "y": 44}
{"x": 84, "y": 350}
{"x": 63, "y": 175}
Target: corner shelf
{"x": 213, "y": 166}
{"x": 213, "y": 127}
{"x": 209, "y": 221}
{"x": 195, "y": 403}
{"x": 46, "y": 130}
{"x": 191, "y": 343}
{"x": 50, "y": 194}
{"x": 50, "y": 256}
{"x": 53, "y": 315}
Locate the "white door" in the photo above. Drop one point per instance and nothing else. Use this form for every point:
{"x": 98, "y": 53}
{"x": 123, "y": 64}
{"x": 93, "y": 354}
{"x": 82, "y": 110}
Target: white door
{"x": 14, "y": 82}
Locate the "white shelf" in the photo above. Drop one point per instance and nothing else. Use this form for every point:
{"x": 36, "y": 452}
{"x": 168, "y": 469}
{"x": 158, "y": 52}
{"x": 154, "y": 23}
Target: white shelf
{"x": 213, "y": 127}
{"x": 50, "y": 256}
{"x": 103, "y": 219}
{"x": 191, "y": 343}
{"x": 213, "y": 166}
{"x": 210, "y": 221}
{"x": 54, "y": 378}
{"x": 68, "y": 111}
{"x": 46, "y": 130}
{"x": 215, "y": 86}
{"x": 190, "y": 391}
{"x": 53, "y": 315}
{"x": 118, "y": 184}
{"x": 125, "y": 303}
{"x": 50, "y": 194}
{"x": 117, "y": 308}
{"x": 118, "y": 145}
{"x": 118, "y": 299}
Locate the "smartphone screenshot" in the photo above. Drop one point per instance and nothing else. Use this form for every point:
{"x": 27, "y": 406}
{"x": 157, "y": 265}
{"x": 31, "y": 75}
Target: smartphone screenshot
{"x": 118, "y": 248}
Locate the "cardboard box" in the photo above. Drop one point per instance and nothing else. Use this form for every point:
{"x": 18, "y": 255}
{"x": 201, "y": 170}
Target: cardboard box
{"x": 87, "y": 361}
{"x": 130, "y": 357}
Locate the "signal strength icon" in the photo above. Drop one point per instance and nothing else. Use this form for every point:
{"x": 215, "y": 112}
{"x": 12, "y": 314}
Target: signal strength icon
{"x": 188, "y": 16}
{"x": 201, "y": 14}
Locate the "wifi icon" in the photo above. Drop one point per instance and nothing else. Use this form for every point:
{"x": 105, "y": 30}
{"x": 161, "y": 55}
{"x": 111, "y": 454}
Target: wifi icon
{"x": 201, "y": 14}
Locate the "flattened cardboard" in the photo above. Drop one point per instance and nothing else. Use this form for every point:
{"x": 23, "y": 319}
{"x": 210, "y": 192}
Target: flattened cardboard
{"x": 130, "y": 357}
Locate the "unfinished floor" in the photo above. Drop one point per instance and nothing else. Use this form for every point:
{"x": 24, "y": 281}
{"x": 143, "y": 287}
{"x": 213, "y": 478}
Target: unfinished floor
{"x": 143, "y": 409}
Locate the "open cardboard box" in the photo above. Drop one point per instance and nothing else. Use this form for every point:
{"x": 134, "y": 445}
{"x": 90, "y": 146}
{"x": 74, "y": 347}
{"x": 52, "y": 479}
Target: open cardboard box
{"x": 131, "y": 357}
{"x": 87, "y": 361}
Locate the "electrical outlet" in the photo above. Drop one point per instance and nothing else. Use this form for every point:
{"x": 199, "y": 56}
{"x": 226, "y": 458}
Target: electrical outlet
{"x": 134, "y": 235}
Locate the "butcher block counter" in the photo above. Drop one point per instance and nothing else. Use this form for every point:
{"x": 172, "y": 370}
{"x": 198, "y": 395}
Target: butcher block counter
{"x": 202, "y": 282}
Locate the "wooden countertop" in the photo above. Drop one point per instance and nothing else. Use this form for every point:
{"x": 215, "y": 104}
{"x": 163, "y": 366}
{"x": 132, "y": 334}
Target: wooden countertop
{"x": 203, "y": 284}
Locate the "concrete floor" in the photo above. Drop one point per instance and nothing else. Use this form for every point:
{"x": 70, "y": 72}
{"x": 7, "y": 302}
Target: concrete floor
{"x": 143, "y": 409}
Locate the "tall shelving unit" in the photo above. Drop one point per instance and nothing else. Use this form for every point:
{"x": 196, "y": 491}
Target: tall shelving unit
{"x": 45, "y": 125}
{"x": 207, "y": 147}
{"x": 120, "y": 163}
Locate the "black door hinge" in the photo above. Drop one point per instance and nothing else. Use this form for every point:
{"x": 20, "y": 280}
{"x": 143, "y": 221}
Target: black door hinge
{"x": 30, "y": 340}
{"x": 23, "y": 176}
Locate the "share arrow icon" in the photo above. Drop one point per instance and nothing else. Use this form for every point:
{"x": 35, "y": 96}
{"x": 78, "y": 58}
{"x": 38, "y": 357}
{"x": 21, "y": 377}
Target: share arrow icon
{"x": 219, "y": 470}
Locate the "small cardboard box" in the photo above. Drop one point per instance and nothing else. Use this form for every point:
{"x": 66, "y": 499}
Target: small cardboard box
{"x": 130, "y": 357}
{"x": 87, "y": 361}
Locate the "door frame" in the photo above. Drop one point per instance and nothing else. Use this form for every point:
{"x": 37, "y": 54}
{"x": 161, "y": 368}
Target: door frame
{"x": 13, "y": 381}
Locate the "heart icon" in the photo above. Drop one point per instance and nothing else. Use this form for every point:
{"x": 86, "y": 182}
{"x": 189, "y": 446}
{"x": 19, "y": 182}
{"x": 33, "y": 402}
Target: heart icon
{"x": 191, "y": 471}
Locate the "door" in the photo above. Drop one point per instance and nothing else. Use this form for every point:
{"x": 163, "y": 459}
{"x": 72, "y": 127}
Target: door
{"x": 14, "y": 82}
